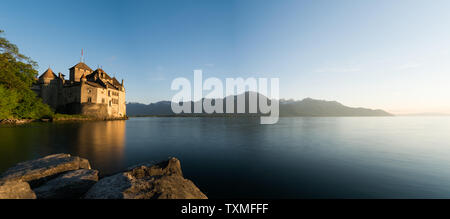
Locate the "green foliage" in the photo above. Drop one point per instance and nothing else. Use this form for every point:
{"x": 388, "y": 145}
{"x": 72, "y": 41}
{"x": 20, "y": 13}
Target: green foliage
{"x": 17, "y": 74}
{"x": 29, "y": 106}
{"x": 8, "y": 102}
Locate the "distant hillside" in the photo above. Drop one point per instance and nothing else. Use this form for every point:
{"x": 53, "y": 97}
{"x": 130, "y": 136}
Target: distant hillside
{"x": 312, "y": 107}
{"x": 159, "y": 108}
{"x": 305, "y": 107}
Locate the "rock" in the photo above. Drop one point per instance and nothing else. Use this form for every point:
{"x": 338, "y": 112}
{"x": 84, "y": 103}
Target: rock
{"x": 38, "y": 169}
{"x": 16, "y": 190}
{"x": 61, "y": 176}
{"x": 70, "y": 185}
{"x": 15, "y": 121}
{"x": 160, "y": 181}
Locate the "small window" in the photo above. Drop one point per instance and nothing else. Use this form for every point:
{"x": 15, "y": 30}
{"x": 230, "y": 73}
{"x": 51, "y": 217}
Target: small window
{"x": 89, "y": 91}
{"x": 89, "y": 100}
{"x": 109, "y": 93}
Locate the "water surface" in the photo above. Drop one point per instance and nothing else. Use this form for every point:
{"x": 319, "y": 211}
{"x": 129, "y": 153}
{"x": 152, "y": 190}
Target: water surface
{"x": 345, "y": 157}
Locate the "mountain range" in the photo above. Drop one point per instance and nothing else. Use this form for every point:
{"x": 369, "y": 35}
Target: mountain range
{"x": 306, "y": 107}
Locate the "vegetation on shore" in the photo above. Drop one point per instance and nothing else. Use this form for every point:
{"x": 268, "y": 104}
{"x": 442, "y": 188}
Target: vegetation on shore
{"x": 17, "y": 74}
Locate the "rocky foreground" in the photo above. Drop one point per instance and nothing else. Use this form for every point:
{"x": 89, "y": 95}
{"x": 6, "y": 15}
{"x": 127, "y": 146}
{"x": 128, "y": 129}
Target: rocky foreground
{"x": 62, "y": 176}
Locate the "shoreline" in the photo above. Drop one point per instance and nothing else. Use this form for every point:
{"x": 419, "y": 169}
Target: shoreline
{"x": 18, "y": 122}
{"x": 249, "y": 116}
{"x": 79, "y": 118}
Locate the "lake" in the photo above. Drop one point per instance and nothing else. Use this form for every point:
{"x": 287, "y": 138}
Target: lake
{"x": 329, "y": 157}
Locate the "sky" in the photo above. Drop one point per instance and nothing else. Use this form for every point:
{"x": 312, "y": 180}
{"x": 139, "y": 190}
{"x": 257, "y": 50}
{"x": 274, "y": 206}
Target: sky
{"x": 381, "y": 54}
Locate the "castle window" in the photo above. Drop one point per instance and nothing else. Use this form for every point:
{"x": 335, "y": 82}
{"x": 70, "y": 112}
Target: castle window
{"x": 89, "y": 91}
{"x": 109, "y": 93}
{"x": 89, "y": 100}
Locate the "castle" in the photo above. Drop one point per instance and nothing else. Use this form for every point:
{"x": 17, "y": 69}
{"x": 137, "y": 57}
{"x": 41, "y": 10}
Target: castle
{"x": 87, "y": 92}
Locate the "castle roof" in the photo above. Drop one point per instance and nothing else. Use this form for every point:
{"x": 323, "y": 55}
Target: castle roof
{"x": 99, "y": 73}
{"x": 116, "y": 82}
{"x": 109, "y": 85}
{"x": 48, "y": 74}
{"x": 81, "y": 65}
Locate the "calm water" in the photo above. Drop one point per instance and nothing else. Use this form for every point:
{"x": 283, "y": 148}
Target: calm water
{"x": 387, "y": 157}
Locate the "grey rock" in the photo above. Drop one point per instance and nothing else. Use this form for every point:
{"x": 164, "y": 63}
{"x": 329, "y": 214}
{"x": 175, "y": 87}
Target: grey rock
{"x": 15, "y": 121}
{"x": 160, "y": 181}
{"x": 16, "y": 190}
{"x": 44, "y": 167}
{"x": 70, "y": 185}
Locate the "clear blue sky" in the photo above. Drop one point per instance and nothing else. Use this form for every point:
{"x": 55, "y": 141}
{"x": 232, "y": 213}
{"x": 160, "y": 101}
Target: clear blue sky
{"x": 393, "y": 55}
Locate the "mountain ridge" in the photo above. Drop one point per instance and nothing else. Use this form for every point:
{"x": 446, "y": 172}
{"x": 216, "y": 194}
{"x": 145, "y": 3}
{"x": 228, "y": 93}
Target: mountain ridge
{"x": 307, "y": 107}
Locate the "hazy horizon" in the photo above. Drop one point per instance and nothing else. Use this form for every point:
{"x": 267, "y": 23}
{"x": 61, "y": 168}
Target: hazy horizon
{"x": 389, "y": 55}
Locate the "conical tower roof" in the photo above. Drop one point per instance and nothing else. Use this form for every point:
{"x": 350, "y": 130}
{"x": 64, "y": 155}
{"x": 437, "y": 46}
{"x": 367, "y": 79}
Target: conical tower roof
{"x": 48, "y": 74}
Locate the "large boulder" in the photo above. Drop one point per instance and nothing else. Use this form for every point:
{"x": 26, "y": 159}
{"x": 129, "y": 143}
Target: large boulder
{"x": 42, "y": 168}
{"x": 70, "y": 185}
{"x": 160, "y": 181}
{"x": 16, "y": 190}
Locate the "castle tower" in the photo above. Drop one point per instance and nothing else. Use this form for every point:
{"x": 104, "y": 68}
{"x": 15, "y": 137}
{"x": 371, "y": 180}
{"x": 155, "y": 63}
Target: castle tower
{"x": 49, "y": 88}
{"x": 47, "y": 76}
{"x": 78, "y": 70}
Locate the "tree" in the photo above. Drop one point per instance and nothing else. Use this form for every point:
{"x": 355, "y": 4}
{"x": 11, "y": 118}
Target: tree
{"x": 17, "y": 74}
{"x": 8, "y": 102}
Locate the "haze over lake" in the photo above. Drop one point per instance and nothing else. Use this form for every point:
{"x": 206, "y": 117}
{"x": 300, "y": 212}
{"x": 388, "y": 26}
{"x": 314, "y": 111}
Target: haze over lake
{"x": 299, "y": 157}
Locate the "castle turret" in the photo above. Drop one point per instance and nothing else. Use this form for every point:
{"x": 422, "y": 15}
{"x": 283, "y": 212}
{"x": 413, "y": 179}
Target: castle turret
{"x": 47, "y": 76}
{"x": 61, "y": 77}
{"x": 78, "y": 70}
{"x": 48, "y": 90}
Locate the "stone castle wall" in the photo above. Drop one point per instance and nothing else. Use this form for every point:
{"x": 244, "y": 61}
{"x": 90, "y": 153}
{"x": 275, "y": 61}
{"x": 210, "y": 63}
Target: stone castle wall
{"x": 87, "y": 109}
{"x": 79, "y": 95}
{"x": 95, "y": 110}
{"x": 85, "y": 100}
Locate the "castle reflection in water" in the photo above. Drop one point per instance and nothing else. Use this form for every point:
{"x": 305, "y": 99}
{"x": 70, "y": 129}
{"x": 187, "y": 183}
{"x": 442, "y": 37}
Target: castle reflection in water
{"x": 99, "y": 141}
{"x": 102, "y": 142}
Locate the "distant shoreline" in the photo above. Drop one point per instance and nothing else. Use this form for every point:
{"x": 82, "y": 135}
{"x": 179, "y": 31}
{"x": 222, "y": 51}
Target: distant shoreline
{"x": 68, "y": 118}
{"x": 15, "y": 122}
{"x": 243, "y": 115}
